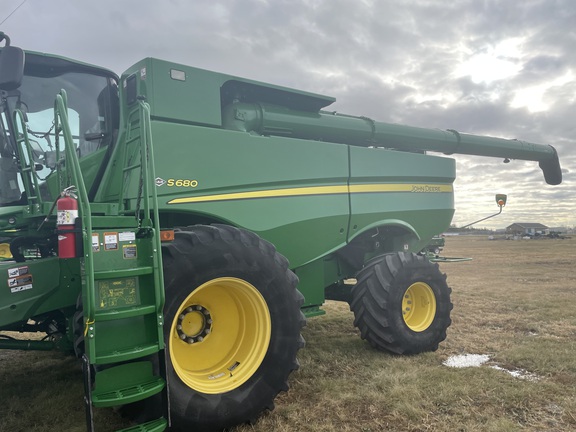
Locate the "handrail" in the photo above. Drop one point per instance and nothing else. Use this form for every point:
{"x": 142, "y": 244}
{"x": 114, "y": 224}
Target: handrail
{"x": 150, "y": 217}
{"x": 148, "y": 174}
{"x": 61, "y": 126}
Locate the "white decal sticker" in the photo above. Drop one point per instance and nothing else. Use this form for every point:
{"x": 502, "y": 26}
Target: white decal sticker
{"x": 127, "y": 236}
{"x": 110, "y": 241}
{"x": 17, "y": 271}
{"x": 95, "y": 242}
{"x": 66, "y": 217}
{"x": 20, "y": 288}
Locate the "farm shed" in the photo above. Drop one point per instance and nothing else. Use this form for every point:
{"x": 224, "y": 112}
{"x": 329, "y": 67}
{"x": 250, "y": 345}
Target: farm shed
{"x": 530, "y": 229}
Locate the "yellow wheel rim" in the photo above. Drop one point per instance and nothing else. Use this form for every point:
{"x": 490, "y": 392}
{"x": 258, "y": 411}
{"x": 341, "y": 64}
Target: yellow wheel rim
{"x": 419, "y": 306}
{"x": 220, "y": 335}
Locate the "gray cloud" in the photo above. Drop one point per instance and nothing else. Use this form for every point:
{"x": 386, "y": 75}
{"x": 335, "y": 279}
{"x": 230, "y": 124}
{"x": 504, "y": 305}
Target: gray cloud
{"x": 394, "y": 61}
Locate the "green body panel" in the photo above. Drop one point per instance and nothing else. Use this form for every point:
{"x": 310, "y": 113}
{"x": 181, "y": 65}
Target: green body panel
{"x": 277, "y": 174}
{"x": 198, "y": 97}
{"x": 312, "y": 282}
{"x": 417, "y": 194}
{"x": 36, "y": 287}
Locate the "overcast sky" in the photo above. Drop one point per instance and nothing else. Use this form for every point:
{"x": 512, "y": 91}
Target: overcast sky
{"x": 499, "y": 68}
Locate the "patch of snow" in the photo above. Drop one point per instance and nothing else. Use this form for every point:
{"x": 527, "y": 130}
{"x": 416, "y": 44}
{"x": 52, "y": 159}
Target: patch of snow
{"x": 518, "y": 373}
{"x": 466, "y": 360}
{"x": 477, "y": 360}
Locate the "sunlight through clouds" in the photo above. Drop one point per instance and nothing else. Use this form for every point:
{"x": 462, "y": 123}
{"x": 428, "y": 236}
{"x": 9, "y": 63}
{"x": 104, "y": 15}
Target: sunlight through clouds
{"x": 533, "y": 98}
{"x": 491, "y": 63}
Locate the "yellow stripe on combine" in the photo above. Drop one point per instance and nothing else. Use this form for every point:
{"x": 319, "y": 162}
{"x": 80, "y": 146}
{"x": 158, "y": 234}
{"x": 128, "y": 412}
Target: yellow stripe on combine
{"x": 422, "y": 188}
{"x": 319, "y": 190}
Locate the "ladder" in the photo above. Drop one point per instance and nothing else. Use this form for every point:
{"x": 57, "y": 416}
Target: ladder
{"x": 122, "y": 284}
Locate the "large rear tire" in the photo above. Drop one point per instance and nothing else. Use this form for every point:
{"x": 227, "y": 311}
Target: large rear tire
{"x": 401, "y": 303}
{"x": 232, "y": 329}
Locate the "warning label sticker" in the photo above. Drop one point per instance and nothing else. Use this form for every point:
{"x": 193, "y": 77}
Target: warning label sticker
{"x": 118, "y": 293}
{"x": 127, "y": 236}
{"x": 111, "y": 241}
{"x": 95, "y": 242}
{"x": 66, "y": 217}
{"x": 129, "y": 251}
{"x": 18, "y": 271}
{"x": 20, "y": 280}
{"x": 20, "y": 288}
{"x": 20, "y": 283}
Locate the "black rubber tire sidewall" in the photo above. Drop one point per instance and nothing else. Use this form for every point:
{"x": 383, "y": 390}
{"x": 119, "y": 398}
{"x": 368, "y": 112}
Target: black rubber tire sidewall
{"x": 377, "y": 303}
{"x": 204, "y": 253}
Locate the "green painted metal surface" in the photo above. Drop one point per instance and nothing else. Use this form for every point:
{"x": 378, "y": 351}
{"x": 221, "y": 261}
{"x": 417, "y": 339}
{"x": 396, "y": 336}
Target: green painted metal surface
{"x": 126, "y": 383}
{"x": 34, "y": 287}
{"x": 157, "y": 425}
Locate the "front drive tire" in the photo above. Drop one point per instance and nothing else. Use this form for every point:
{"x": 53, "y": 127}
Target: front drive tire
{"x": 232, "y": 329}
{"x": 401, "y": 303}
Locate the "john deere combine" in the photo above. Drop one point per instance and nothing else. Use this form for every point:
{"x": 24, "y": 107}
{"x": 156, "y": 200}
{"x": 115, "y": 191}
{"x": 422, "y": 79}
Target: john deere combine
{"x": 174, "y": 226}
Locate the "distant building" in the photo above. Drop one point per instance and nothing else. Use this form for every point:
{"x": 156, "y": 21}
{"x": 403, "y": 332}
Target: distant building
{"x": 530, "y": 229}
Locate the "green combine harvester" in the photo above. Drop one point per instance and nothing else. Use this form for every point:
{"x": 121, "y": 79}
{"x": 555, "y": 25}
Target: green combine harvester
{"x": 173, "y": 227}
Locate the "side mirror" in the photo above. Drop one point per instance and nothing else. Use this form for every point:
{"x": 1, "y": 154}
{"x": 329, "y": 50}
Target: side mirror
{"x": 11, "y": 67}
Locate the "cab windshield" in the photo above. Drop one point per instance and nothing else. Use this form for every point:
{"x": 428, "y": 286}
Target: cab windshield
{"x": 92, "y": 115}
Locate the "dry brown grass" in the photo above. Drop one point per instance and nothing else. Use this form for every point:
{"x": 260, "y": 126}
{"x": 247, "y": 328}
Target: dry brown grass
{"x": 515, "y": 301}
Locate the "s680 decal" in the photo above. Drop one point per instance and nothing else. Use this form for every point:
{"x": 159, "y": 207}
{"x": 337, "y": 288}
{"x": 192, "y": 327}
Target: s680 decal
{"x": 173, "y": 182}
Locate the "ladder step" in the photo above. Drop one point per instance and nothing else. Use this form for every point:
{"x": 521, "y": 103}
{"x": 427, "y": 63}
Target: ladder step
{"x": 125, "y": 313}
{"x": 126, "y": 383}
{"x": 112, "y": 274}
{"x": 127, "y": 354}
{"x": 157, "y": 425}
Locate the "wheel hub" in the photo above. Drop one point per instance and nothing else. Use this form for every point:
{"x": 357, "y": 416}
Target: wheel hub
{"x": 419, "y": 306}
{"x": 194, "y": 324}
{"x": 218, "y": 357}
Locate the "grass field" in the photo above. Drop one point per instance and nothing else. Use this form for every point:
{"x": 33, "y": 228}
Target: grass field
{"x": 515, "y": 302}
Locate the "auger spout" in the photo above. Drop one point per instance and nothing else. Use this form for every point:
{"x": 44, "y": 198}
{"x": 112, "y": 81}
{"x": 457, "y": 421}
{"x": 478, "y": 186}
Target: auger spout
{"x": 268, "y": 119}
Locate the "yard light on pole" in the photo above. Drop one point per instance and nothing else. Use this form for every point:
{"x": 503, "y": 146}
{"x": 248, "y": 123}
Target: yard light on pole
{"x": 501, "y": 201}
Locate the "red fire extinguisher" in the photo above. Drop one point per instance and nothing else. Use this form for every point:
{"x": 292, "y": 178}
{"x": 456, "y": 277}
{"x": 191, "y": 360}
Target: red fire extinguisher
{"x": 67, "y": 212}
